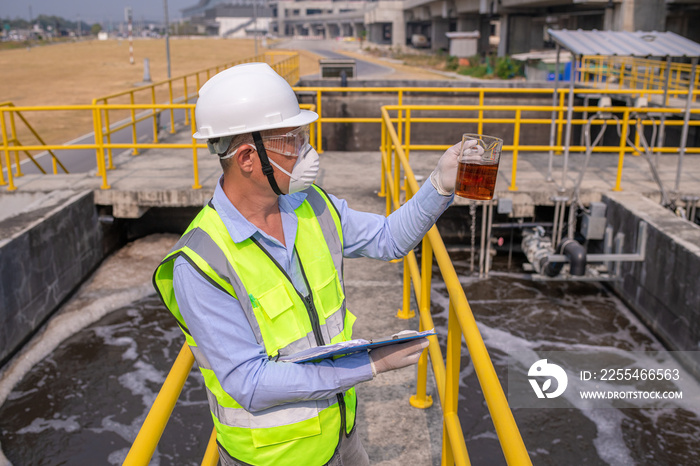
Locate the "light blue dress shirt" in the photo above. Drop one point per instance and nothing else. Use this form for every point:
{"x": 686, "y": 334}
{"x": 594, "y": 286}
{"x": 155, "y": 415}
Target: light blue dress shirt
{"x": 219, "y": 326}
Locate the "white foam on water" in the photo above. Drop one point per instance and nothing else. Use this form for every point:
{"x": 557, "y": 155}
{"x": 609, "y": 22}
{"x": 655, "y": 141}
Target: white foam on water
{"x": 39, "y": 425}
{"x": 609, "y": 442}
{"x": 57, "y": 330}
{"x": 136, "y": 381}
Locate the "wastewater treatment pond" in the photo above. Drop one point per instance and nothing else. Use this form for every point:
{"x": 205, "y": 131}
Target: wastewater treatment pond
{"x": 84, "y": 403}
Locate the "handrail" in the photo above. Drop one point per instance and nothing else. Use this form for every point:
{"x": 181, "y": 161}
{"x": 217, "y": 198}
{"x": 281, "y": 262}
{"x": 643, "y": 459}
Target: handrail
{"x": 478, "y": 113}
{"x": 631, "y": 116}
{"x": 461, "y": 323}
{"x": 152, "y": 428}
{"x": 479, "y": 93}
{"x": 100, "y": 146}
{"x": 286, "y": 64}
{"x": 13, "y": 138}
{"x": 637, "y": 73}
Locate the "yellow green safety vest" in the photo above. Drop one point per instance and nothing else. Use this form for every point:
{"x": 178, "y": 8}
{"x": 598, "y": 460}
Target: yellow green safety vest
{"x": 283, "y": 321}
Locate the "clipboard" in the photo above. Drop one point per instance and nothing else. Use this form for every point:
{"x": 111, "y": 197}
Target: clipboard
{"x": 353, "y": 346}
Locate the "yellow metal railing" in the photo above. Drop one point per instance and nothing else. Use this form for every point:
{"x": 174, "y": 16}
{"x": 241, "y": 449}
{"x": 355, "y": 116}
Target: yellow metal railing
{"x": 523, "y": 115}
{"x": 101, "y": 147}
{"x": 11, "y": 138}
{"x": 152, "y": 428}
{"x": 480, "y": 114}
{"x": 180, "y": 89}
{"x": 461, "y": 323}
{"x": 638, "y": 73}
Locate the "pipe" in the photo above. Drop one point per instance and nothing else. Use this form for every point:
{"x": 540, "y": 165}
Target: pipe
{"x": 553, "y": 124}
{"x": 576, "y": 254}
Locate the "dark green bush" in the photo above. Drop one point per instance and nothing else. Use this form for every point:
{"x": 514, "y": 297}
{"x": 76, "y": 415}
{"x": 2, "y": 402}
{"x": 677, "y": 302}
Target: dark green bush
{"x": 507, "y": 68}
{"x": 452, "y": 63}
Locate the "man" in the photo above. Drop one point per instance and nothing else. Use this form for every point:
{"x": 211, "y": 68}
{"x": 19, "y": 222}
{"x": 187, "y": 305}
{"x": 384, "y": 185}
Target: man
{"x": 258, "y": 275}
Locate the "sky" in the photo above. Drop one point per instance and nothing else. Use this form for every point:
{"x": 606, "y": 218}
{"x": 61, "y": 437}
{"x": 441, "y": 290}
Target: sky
{"x": 94, "y": 11}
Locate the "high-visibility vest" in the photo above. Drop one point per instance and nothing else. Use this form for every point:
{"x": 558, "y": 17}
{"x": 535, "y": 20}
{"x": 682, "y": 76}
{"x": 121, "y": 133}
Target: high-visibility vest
{"x": 283, "y": 321}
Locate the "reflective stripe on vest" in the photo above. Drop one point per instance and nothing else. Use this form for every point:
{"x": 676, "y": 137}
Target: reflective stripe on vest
{"x": 269, "y": 301}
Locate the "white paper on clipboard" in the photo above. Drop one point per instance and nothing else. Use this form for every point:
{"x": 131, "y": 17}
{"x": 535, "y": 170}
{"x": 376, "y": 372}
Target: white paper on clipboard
{"x": 353, "y": 346}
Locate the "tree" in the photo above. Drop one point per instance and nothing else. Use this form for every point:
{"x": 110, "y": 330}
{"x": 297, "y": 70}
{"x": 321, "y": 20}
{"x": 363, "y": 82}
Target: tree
{"x": 95, "y": 29}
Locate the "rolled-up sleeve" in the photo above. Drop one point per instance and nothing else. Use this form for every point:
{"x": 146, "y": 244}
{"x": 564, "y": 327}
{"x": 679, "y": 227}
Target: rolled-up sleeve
{"x": 218, "y": 324}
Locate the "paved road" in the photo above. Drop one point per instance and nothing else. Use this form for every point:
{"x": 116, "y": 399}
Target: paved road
{"x": 334, "y": 49}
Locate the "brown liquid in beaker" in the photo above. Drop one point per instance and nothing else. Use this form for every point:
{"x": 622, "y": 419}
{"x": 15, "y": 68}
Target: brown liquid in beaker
{"x": 476, "y": 181}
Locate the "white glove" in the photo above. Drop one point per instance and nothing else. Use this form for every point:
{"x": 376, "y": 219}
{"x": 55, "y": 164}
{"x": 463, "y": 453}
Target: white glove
{"x": 388, "y": 358}
{"x": 445, "y": 174}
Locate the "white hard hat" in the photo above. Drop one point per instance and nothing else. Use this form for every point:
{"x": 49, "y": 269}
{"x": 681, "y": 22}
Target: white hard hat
{"x": 247, "y": 98}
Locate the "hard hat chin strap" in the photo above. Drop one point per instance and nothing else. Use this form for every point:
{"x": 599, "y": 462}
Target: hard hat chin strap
{"x": 265, "y": 162}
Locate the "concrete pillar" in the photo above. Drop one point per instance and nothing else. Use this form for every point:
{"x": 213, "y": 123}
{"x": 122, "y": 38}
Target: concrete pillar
{"x": 649, "y": 15}
{"x": 438, "y": 39}
{"x": 327, "y": 31}
{"x": 609, "y": 18}
{"x": 503, "y": 44}
{"x": 398, "y": 33}
{"x": 483, "y": 46}
{"x": 625, "y": 20}
{"x": 281, "y": 12}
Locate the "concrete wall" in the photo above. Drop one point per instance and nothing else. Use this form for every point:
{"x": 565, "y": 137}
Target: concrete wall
{"x": 45, "y": 254}
{"x": 664, "y": 289}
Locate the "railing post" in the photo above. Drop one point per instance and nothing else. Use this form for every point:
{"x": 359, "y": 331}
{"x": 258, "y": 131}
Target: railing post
{"x": 400, "y": 120}
{"x": 172, "y": 110}
{"x": 480, "y": 125}
{"x": 407, "y": 141}
{"x": 101, "y": 170}
{"x": 426, "y": 274}
{"x": 516, "y": 143}
{"x": 152, "y": 428}
{"x": 560, "y": 121}
{"x": 6, "y": 143}
{"x": 421, "y": 399}
{"x": 397, "y": 176}
{"x": 623, "y": 146}
{"x": 319, "y": 137}
{"x": 134, "y": 137}
{"x": 13, "y": 133}
{"x": 453, "y": 358}
{"x": 195, "y": 163}
{"x": 108, "y": 133}
{"x": 211, "y": 455}
{"x": 187, "y": 100}
{"x": 382, "y": 151}
{"x": 405, "y": 312}
{"x": 155, "y": 115}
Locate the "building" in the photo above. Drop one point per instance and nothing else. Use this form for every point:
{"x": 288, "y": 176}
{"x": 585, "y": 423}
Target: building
{"x": 520, "y": 25}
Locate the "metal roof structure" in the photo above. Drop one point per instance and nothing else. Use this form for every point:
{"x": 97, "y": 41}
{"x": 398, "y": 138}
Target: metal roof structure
{"x": 633, "y": 44}
{"x": 629, "y": 44}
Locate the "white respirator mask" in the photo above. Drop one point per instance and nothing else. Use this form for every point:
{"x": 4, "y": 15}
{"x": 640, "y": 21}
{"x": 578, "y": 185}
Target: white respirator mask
{"x": 304, "y": 171}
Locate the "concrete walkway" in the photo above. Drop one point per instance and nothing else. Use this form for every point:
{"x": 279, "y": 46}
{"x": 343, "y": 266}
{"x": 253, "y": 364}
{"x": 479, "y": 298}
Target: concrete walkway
{"x": 164, "y": 177}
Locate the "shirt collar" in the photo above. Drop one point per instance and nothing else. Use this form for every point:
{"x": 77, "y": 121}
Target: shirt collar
{"x": 238, "y": 226}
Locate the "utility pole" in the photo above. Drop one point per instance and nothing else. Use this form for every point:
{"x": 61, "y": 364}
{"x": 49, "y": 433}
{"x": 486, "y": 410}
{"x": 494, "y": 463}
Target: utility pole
{"x": 80, "y": 28}
{"x": 255, "y": 26}
{"x": 167, "y": 35}
{"x": 30, "y": 16}
{"x": 127, "y": 13}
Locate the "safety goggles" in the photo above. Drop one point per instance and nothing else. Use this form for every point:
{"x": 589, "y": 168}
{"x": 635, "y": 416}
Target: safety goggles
{"x": 293, "y": 143}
